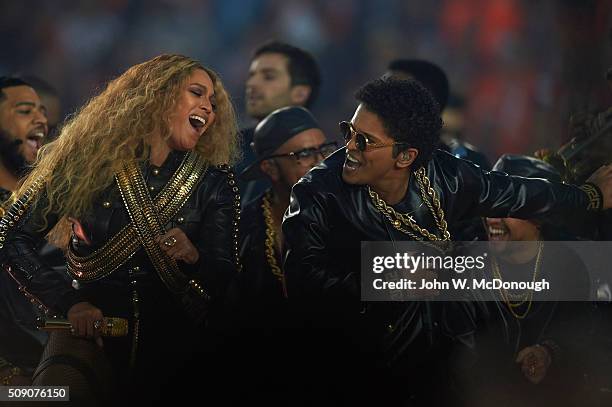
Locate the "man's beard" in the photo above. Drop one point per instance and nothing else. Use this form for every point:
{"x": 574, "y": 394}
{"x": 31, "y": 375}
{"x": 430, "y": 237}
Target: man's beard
{"x": 11, "y": 157}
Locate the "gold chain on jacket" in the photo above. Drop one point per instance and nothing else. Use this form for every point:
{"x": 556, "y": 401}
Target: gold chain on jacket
{"x": 12, "y": 215}
{"x": 522, "y": 298}
{"x": 145, "y": 220}
{"x": 126, "y": 242}
{"x": 271, "y": 238}
{"x": 10, "y": 218}
{"x": 399, "y": 220}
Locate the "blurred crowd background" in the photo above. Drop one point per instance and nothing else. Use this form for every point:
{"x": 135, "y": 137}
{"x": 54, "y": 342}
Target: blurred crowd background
{"x": 522, "y": 66}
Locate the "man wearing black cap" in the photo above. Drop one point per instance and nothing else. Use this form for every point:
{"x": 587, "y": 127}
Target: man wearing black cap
{"x": 522, "y": 337}
{"x": 287, "y": 144}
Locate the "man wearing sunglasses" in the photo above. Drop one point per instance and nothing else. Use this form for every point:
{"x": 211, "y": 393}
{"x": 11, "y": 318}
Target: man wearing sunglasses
{"x": 388, "y": 184}
{"x": 434, "y": 79}
{"x": 287, "y": 144}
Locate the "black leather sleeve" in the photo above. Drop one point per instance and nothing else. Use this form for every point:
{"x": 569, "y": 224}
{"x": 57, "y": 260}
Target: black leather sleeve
{"x": 19, "y": 256}
{"x": 217, "y": 241}
{"x": 474, "y": 192}
{"x": 306, "y": 228}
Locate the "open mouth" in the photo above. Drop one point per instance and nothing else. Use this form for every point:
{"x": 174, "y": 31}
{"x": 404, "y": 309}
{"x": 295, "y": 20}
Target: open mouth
{"x": 253, "y": 100}
{"x": 34, "y": 139}
{"x": 351, "y": 163}
{"x": 497, "y": 232}
{"x": 253, "y": 97}
{"x": 197, "y": 122}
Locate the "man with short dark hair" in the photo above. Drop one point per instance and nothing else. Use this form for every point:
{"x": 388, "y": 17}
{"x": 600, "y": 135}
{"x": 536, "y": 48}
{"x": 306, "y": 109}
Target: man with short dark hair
{"x": 389, "y": 184}
{"x": 23, "y": 125}
{"x": 50, "y": 99}
{"x": 435, "y": 80}
{"x": 280, "y": 75}
{"x": 427, "y": 73}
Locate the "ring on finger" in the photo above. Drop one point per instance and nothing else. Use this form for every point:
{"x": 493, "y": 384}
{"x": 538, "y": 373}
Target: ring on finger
{"x": 532, "y": 370}
{"x": 170, "y": 242}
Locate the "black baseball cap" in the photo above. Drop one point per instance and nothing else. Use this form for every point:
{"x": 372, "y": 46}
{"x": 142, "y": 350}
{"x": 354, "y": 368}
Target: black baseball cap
{"x": 274, "y": 131}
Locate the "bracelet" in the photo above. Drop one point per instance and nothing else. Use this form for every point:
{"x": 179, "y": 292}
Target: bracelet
{"x": 594, "y": 194}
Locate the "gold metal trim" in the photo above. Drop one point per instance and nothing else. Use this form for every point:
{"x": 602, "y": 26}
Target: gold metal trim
{"x": 595, "y": 198}
{"x": 126, "y": 242}
{"x": 271, "y": 241}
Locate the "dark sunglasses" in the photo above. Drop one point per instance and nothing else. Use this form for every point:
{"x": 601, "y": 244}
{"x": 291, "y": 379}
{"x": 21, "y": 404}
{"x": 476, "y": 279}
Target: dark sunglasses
{"x": 362, "y": 141}
{"x": 325, "y": 150}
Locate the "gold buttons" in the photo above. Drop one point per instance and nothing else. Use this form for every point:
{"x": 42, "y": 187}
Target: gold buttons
{"x": 106, "y": 204}
{"x": 155, "y": 171}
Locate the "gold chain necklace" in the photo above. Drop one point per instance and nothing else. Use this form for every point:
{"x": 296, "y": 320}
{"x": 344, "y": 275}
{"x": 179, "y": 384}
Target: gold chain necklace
{"x": 399, "y": 220}
{"x": 522, "y": 298}
{"x": 271, "y": 241}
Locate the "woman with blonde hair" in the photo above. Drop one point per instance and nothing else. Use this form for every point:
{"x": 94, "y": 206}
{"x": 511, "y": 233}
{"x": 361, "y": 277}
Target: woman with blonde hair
{"x": 138, "y": 191}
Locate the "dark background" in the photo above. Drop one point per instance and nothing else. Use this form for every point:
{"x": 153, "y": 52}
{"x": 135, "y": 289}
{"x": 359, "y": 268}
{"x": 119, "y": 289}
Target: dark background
{"x": 523, "y": 66}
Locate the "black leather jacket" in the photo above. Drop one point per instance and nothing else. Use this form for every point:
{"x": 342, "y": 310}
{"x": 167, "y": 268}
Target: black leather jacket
{"x": 259, "y": 286}
{"x": 326, "y": 216}
{"x": 328, "y": 219}
{"x": 466, "y": 151}
{"x": 250, "y": 190}
{"x": 209, "y": 218}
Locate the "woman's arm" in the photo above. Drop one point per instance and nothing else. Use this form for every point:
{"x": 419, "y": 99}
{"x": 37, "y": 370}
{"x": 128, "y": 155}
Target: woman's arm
{"x": 23, "y": 230}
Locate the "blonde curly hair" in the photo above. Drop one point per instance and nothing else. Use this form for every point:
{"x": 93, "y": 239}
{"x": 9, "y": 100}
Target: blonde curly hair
{"x": 119, "y": 125}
